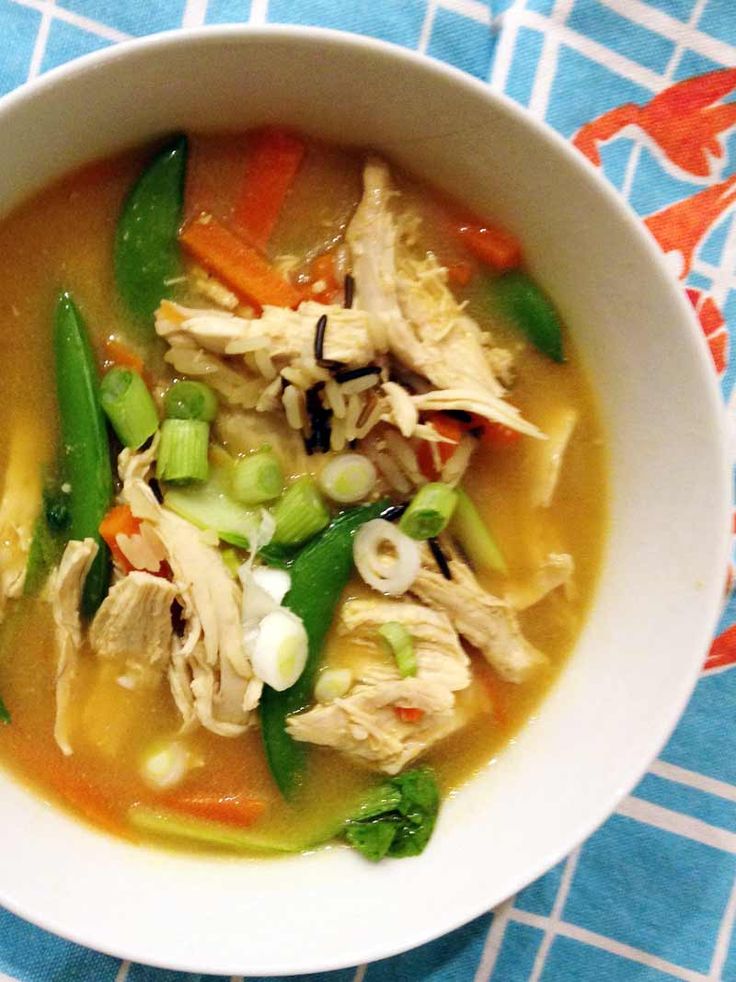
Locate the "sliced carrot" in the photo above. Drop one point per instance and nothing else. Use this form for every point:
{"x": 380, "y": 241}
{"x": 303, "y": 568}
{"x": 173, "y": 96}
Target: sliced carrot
{"x": 237, "y": 264}
{"x": 409, "y": 714}
{"x": 120, "y": 520}
{"x": 492, "y": 245}
{"x": 448, "y": 427}
{"x": 215, "y": 167}
{"x": 459, "y": 273}
{"x": 497, "y": 435}
{"x": 271, "y": 166}
{"x": 233, "y": 809}
{"x": 116, "y": 353}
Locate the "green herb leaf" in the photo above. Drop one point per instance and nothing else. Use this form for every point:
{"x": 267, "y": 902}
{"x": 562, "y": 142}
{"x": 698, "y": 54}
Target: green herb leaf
{"x": 4, "y": 712}
{"x": 372, "y": 839}
{"x": 396, "y": 818}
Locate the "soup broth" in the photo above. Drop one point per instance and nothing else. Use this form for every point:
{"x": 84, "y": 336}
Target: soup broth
{"x": 65, "y": 238}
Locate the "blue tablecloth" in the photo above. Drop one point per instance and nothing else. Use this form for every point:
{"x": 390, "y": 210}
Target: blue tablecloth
{"x": 643, "y": 87}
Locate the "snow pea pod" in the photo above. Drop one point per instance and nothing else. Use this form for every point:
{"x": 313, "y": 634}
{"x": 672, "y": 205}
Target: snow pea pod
{"x": 518, "y": 298}
{"x": 84, "y": 443}
{"x": 147, "y": 256}
{"x": 319, "y": 574}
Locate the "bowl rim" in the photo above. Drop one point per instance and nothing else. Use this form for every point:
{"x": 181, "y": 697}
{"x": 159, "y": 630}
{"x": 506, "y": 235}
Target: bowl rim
{"x": 712, "y": 405}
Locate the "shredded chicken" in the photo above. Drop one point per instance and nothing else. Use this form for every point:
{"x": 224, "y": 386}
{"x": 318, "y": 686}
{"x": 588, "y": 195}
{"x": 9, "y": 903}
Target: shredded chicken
{"x": 550, "y": 455}
{"x": 286, "y": 336}
{"x": 364, "y": 723}
{"x": 485, "y": 621}
{"x": 372, "y": 238}
{"x": 427, "y": 330}
{"x": 133, "y": 627}
{"x": 65, "y": 590}
{"x": 556, "y": 571}
{"x": 235, "y": 387}
{"x": 210, "y": 673}
{"x": 19, "y": 506}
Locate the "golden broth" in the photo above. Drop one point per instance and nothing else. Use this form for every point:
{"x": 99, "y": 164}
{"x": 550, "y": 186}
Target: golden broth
{"x": 63, "y": 238}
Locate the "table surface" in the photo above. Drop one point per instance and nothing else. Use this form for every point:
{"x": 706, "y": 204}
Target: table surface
{"x": 651, "y": 895}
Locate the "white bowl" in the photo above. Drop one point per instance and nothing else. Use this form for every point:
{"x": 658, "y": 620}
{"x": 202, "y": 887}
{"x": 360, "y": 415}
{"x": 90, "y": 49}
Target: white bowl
{"x": 633, "y": 668}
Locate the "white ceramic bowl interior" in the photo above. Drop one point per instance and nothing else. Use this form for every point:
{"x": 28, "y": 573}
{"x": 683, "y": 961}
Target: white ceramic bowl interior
{"x": 636, "y": 662}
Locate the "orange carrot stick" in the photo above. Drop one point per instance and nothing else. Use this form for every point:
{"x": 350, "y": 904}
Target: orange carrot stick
{"x": 228, "y": 809}
{"x": 120, "y": 520}
{"x": 272, "y": 165}
{"x": 237, "y": 264}
{"x": 448, "y": 427}
{"x": 409, "y": 714}
{"x": 116, "y": 353}
{"x": 493, "y": 246}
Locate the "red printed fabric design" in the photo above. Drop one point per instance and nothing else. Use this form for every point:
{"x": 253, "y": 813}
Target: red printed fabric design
{"x": 685, "y": 128}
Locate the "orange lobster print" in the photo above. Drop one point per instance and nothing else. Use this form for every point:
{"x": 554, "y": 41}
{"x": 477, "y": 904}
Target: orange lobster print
{"x": 685, "y": 128}
{"x": 685, "y": 122}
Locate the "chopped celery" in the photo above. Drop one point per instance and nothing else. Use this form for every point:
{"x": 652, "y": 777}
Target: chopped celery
{"x": 209, "y": 506}
{"x": 257, "y": 478}
{"x": 474, "y": 536}
{"x": 190, "y": 400}
{"x": 300, "y": 513}
{"x": 182, "y": 452}
{"x": 171, "y": 824}
{"x": 401, "y": 646}
{"x": 128, "y": 405}
{"x": 429, "y": 511}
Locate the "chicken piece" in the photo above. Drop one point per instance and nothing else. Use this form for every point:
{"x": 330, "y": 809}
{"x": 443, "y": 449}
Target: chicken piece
{"x": 485, "y": 621}
{"x": 246, "y": 431}
{"x": 19, "y": 506}
{"x": 65, "y": 589}
{"x": 427, "y": 330}
{"x": 284, "y": 335}
{"x": 365, "y": 723}
{"x": 549, "y": 456}
{"x": 133, "y": 626}
{"x": 235, "y": 387}
{"x": 452, "y": 351}
{"x": 210, "y": 673}
{"x": 556, "y": 571}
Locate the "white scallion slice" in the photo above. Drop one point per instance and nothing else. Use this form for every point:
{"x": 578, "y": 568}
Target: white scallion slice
{"x": 333, "y": 683}
{"x": 348, "y": 477}
{"x": 387, "y": 559}
{"x": 276, "y": 582}
{"x": 280, "y": 649}
{"x": 166, "y": 764}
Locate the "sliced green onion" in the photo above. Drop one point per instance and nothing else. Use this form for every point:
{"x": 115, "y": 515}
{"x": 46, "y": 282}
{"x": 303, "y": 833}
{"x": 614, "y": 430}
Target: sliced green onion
{"x": 128, "y": 405}
{"x": 333, "y": 683}
{"x": 300, "y": 513}
{"x": 182, "y": 452}
{"x": 429, "y": 511}
{"x": 257, "y": 478}
{"x": 401, "y": 645}
{"x": 190, "y": 400}
{"x": 474, "y": 536}
{"x": 348, "y": 477}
